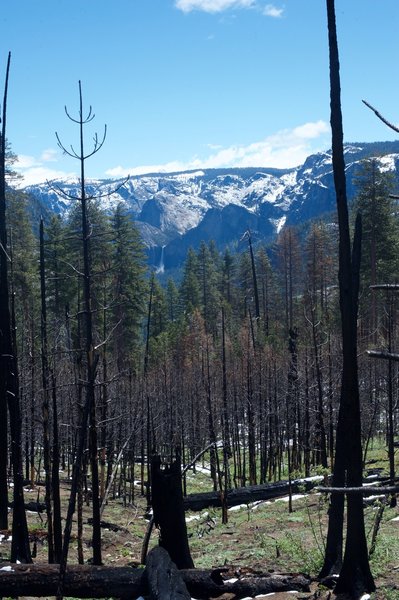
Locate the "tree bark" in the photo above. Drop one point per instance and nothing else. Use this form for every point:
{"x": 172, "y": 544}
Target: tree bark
{"x": 167, "y": 503}
{"x": 246, "y": 495}
{"x": 164, "y": 580}
{"x": 85, "y": 581}
{"x": 5, "y": 331}
{"x": 355, "y": 576}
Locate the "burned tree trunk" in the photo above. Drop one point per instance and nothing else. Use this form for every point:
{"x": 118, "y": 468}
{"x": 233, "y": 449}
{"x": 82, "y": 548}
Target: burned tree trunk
{"x": 355, "y": 577}
{"x": 164, "y": 581}
{"x": 167, "y": 503}
{"x": 248, "y": 494}
{"x": 5, "y": 334}
{"x": 9, "y": 382}
{"x": 84, "y": 581}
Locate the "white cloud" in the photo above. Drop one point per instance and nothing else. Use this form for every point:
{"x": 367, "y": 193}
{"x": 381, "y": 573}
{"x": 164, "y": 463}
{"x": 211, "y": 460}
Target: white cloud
{"x": 50, "y": 155}
{"x": 34, "y": 171}
{"x": 284, "y": 149}
{"x": 212, "y": 6}
{"x": 272, "y": 11}
{"x": 311, "y": 130}
{"x": 169, "y": 167}
{"x": 217, "y": 6}
{"x": 25, "y": 162}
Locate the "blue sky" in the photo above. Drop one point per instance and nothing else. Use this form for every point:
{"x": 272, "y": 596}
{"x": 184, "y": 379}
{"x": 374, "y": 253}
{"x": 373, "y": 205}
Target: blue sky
{"x": 192, "y": 83}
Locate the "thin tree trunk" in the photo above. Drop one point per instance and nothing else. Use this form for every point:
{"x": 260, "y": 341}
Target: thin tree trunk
{"x": 45, "y": 403}
{"x": 5, "y": 331}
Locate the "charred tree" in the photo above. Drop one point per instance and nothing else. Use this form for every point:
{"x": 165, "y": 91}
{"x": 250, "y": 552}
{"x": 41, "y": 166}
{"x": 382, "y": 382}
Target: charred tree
{"x": 9, "y": 382}
{"x": 45, "y": 402}
{"x": 167, "y": 503}
{"x": 84, "y": 581}
{"x": 5, "y": 332}
{"x": 355, "y": 576}
{"x": 163, "y": 578}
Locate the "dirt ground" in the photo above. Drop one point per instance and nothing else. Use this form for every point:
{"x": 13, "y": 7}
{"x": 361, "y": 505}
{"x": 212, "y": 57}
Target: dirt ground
{"x": 264, "y": 536}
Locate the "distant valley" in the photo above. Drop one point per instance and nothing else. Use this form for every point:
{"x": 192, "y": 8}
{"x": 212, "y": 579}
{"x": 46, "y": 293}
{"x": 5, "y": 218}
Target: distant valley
{"x": 174, "y": 211}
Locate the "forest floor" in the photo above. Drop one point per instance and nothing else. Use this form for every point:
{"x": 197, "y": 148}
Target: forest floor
{"x": 263, "y": 536}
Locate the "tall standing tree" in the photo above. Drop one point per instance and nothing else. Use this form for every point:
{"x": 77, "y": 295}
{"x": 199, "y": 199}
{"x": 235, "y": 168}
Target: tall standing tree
{"x": 128, "y": 285}
{"x": 91, "y": 350}
{"x": 9, "y": 382}
{"x": 5, "y": 330}
{"x": 190, "y": 287}
{"x": 355, "y": 576}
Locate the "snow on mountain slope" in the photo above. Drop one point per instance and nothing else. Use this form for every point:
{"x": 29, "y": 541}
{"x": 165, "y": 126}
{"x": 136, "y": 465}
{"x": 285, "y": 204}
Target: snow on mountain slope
{"x": 169, "y": 208}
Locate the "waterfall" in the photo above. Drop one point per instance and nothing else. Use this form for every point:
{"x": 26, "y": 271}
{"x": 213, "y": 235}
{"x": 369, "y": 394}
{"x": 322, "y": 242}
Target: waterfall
{"x": 161, "y": 266}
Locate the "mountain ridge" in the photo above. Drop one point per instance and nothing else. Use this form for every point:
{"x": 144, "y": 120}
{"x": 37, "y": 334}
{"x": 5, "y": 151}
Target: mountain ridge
{"x": 174, "y": 211}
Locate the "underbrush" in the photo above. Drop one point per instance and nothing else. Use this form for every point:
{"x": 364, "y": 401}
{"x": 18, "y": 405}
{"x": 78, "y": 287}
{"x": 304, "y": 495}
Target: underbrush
{"x": 263, "y": 536}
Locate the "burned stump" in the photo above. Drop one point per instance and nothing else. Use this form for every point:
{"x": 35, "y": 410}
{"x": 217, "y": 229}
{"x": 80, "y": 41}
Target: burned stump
{"x": 168, "y": 507}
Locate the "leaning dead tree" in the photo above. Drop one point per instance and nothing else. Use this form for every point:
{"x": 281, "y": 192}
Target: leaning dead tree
{"x": 355, "y": 576}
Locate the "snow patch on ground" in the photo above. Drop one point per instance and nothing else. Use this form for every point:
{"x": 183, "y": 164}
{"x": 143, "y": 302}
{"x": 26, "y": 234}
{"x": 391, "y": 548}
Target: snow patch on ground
{"x": 294, "y": 497}
{"x": 193, "y": 518}
{"x": 204, "y": 515}
{"x": 313, "y": 478}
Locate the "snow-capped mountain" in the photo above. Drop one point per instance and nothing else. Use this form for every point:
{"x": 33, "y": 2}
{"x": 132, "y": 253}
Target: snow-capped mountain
{"x": 177, "y": 210}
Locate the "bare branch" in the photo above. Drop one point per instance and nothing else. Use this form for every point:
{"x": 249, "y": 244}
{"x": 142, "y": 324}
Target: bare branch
{"x": 383, "y": 354}
{"x": 385, "y": 286}
{"x": 56, "y": 188}
{"x": 97, "y": 145}
{"x": 108, "y": 336}
{"x": 381, "y": 117}
{"x": 5, "y": 252}
{"x": 64, "y": 150}
{"x": 79, "y": 121}
{"x": 365, "y": 491}
{"x": 192, "y": 463}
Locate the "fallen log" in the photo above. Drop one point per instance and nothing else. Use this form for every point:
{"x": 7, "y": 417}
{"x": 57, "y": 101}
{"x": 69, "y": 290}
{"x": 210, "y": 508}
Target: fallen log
{"x": 163, "y": 580}
{"x": 38, "y": 507}
{"x": 81, "y": 581}
{"x": 210, "y": 584}
{"x": 108, "y": 525}
{"x": 86, "y": 581}
{"x": 251, "y": 493}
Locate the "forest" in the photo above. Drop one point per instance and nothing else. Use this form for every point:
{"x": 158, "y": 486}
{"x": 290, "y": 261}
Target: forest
{"x": 272, "y": 365}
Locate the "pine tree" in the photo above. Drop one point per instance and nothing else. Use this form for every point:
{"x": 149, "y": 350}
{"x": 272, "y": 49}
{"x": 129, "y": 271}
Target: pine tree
{"x": 267, "y": 291}
{"x": 128, "y": 284}
{"x": 172, "y": 299}
{"x": 380, "y": 242}
{"x": 208, "y": 277}
{"x": 190, "y": 286}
